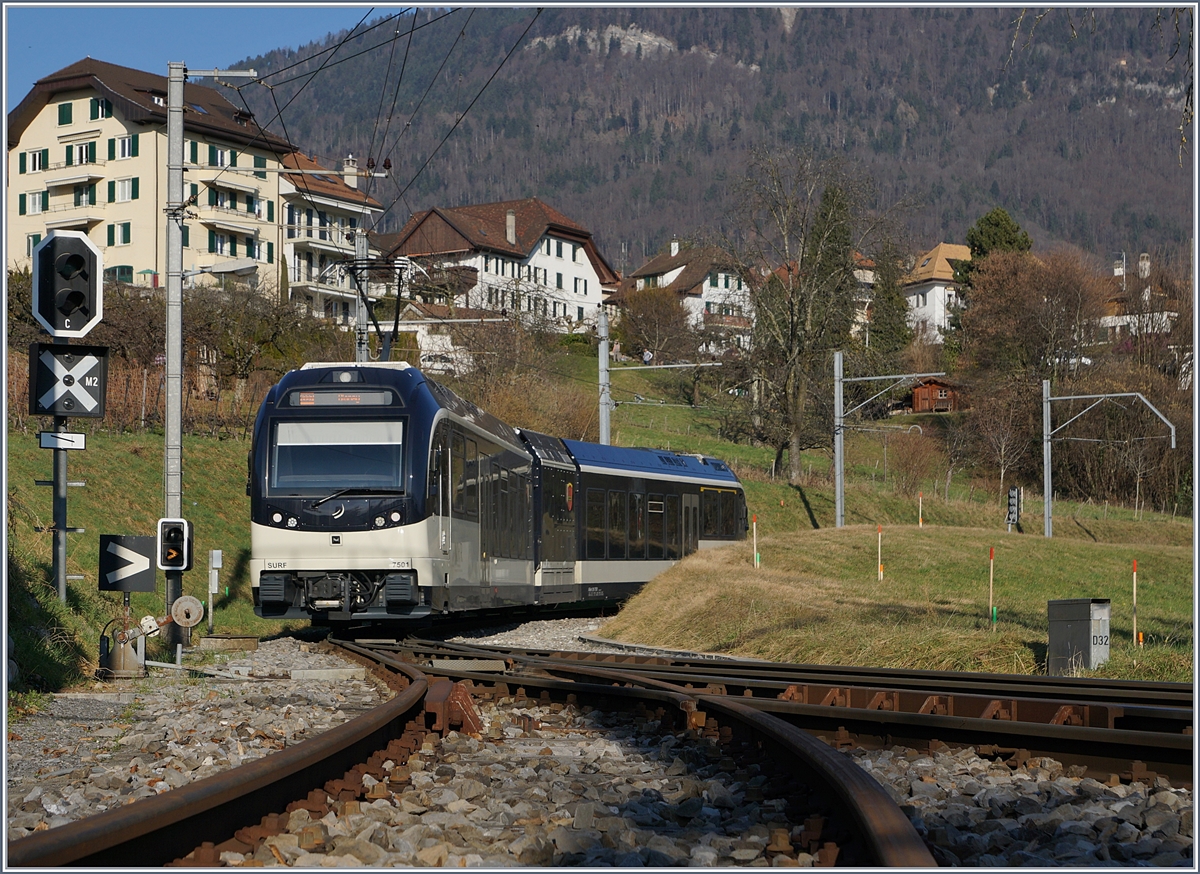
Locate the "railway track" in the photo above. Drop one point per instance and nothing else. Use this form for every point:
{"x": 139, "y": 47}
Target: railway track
{"x": 238, "y": 810}
{"x": 1134, "y": 730}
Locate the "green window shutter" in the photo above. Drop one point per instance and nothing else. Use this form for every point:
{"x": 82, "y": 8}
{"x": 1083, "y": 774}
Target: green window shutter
{"x": 195, "y": 152}
{"x": 186, "y": 236}
{"x": 195, "y": 189}
{"x": 78, "y": 195}
{"x": 270, "y": 252}
{"x": 232, "y": 246}
{"x": 249, "y": 245}
{"x": 133, "y": 188}
{"x": 112, "y": 235}
{"x": 37, "y": 238}
{"x": 212, "y": 197}
{"x": 133, "y": 145}
{"x": 260, "y": 161}
{"x": 112, "y": 191}
{"x": 92, "y": 152}
{"x": 112, "y": 148}
{"x": 45, "y": 159}
{"x": 20, "y": 204}
{"x": 249, "y": 203}
{"x": 232, "y": 158}
{"x": 212, "y": 241}
{"x": 70, "y": 159}
{"x": 270, "y": 210}
{"x": 64, "y": 113}
{"x": 127, "y": 232}
{"x": 21, "y": 163}
{"x": 94, "y": 108}
{"x": 212, "y": 155}
{"x": 92, "y": 194}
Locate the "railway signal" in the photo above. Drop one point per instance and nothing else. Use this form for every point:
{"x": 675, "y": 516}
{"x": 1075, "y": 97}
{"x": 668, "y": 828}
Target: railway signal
{"x": 174, "y": 545}
{"x": 68, "y": 291}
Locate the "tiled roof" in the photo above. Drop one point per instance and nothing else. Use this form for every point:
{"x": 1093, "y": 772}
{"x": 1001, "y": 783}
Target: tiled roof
{"x": 132, "y": 93}
{"x": 936, "y": 265}
{"x": 484, "y": 228}
{"x": 331, "y": 185}
{"x": 696, "y": 264}
{"x": 437, "y": 311}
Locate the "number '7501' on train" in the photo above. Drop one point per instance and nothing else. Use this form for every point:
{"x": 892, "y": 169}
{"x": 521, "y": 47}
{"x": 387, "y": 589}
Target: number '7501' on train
{"x": 378, "y": 495}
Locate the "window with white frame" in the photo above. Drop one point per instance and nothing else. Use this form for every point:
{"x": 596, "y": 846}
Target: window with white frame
{"x": 124, "y": 190}
{"x": 924, "y": 298}
{"x": 81, "y": 153}
{"x": 120, "y": 234}
{"x": 580, "y": 285}
{"x": 35, "y": 161}
{"x": 221, "y": 244}
{"x": 37, "y": 202}
{"x": 124, "y": 147}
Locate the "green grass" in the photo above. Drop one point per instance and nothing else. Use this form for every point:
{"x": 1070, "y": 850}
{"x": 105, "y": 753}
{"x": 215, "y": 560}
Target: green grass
{"x": 816, "y": 598}
{"x": 57, "y": 644}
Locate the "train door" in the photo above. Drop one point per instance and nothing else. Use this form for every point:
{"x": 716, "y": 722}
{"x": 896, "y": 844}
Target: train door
{"x": 691, "y": 523}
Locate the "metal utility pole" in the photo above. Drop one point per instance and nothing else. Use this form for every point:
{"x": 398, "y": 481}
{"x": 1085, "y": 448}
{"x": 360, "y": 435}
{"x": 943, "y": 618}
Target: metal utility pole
{"x": 605, "y": 393}
{"x": 1047, "y": 433}
{"x": 839, "y": 425}
{"x": 177, "y": 73}
{"x": 362, "y": 346}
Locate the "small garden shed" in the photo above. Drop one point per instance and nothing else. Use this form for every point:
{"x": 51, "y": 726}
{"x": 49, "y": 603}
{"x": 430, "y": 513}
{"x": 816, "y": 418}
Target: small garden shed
{"x": 935, "y": 395}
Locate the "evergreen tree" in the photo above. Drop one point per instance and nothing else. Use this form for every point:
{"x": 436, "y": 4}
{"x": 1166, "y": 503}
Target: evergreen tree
{"x": 889, "y": 331}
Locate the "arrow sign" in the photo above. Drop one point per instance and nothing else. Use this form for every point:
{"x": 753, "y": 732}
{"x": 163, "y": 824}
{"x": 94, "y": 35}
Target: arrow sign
{"x": 126, "y": 563}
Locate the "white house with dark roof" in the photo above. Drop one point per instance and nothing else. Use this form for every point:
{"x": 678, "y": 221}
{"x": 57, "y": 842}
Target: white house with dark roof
{"x": 323, "y": 210}
{"x": 518, "y": 257}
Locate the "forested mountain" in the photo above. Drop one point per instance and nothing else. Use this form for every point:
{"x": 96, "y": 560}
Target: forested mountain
{"x": 637, "y": 122}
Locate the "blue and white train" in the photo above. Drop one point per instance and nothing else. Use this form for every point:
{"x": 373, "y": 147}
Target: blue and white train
{"x": 378, "y": 495}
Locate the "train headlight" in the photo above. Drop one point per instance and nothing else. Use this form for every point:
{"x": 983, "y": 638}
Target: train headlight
{"x": 395, "y": 517}
{"x": 292, "y": 522}
{"x": 380, "y": 521}
{"x": 276, "y": 518}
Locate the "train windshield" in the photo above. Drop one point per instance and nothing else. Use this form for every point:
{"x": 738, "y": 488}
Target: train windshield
{"x": 319, "y": 457}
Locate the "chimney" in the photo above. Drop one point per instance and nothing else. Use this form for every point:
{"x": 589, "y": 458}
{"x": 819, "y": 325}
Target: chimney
{"x": 510, "y": 228}
{"x": 350, "y": 171}
{"x": 674, "y": 247}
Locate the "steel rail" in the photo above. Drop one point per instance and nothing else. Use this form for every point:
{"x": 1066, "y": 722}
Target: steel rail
{"x": 891, "y": 840}
{"x": 151, "y": 831}
{"x": 706, "y": 670}
{"x": 1103, "y": 745}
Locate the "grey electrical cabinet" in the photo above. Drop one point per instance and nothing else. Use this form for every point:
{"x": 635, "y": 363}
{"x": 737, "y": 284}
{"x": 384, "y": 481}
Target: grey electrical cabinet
{"x": 1079, "y": 636}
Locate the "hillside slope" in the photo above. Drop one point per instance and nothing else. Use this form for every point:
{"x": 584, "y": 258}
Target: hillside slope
{"x": 638, "y": 121}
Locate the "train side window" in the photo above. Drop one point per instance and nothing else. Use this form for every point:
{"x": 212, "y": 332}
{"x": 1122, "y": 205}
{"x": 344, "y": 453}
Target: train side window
{"x": 616, "y": 524}
{"x": 504, "y": 517}
{"x": 439, "y": 460}
{"x": 495, "y": 543}
{"x": 671, "y": 526}
{"x": 471, "y": 500}
{"x": 458, "y": 470}
{"x": 654, "y": 526}
{"x": 637, "y": 526}
{"x": 524, "y": 519}
{"x": 728, "y": 514}
{"x": 595, "y": 523}
{"x": 710, "y": 511}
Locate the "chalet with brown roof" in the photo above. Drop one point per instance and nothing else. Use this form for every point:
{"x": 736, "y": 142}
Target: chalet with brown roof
{"x": 708, "y": 287}
{"x": 86, "y": 151}
{"x": 528, "y": 259}
{"x": 935, "y": 395}
{"x": 931, "y": 290}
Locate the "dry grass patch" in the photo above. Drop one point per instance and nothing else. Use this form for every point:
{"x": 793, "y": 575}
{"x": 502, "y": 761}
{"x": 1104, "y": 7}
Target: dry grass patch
{"x": 817, "y": 599}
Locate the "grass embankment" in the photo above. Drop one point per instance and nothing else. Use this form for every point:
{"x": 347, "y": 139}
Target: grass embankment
{"x": 57, "y": 644}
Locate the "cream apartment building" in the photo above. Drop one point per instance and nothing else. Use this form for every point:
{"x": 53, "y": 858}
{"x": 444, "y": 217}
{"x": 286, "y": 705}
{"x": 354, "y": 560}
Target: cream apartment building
{"x": 87, "y": 152}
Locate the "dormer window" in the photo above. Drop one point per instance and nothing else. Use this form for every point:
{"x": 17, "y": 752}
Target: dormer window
{"x": 158, "y": 99}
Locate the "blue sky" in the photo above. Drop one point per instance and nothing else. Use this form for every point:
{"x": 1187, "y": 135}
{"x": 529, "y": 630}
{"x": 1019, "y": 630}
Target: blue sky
{"x": 147, "y": 36}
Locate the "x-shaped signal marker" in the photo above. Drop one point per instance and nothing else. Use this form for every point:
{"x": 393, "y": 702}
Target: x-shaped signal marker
{"x": 67, "y": 380}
